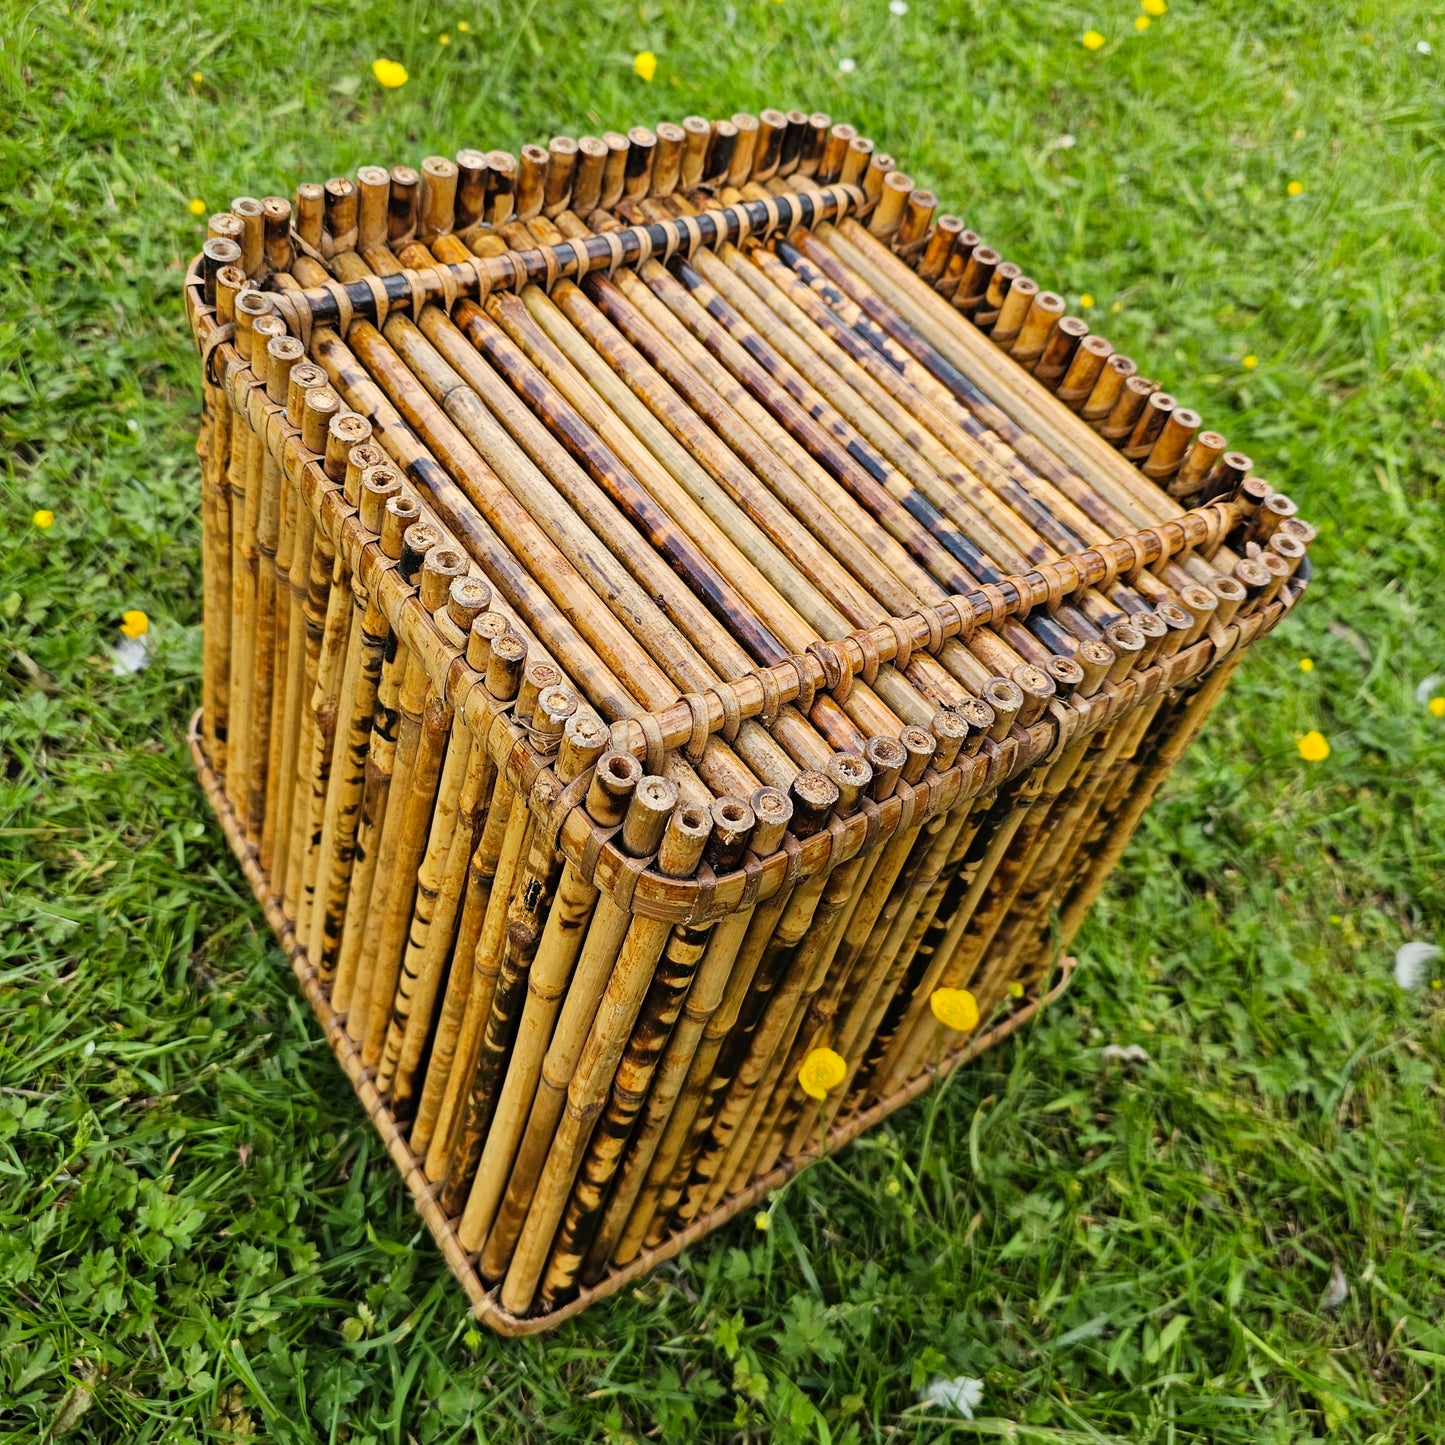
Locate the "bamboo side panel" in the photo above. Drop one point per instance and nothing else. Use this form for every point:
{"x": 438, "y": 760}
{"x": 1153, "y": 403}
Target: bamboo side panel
{"x": 393, "y": 1135}
{"x": 677, "y": 607}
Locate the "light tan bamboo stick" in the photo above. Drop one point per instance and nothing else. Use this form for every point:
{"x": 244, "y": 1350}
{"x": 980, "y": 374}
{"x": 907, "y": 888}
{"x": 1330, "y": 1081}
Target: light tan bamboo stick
{"x": 333, "y": 602}
{"x": 733, "y": 822}
{"x": 358, "y": 799}
{"x": 499, "y": 851}
{"x": 227, "y": 283}
{"x": 505, "y": 959}
{"x": 656, "y": 1196}
{"x": 282, "y": 354}
{"x": 422, "y": 744}
{"x": 467, "y": 599}
{"x": 501, "y": 672}
{"x": 262, "y": 496}
{"x": 304, "y": 378}
{"x": 317, "y": 584}
{"x": 356, "y": 711}
{"x": 244, "y": 446}
{"x": 649, "y": 802}
{"x": 678, "y": 855}
{"x": 564, "y": 934}
{"x": 433, "y": 933}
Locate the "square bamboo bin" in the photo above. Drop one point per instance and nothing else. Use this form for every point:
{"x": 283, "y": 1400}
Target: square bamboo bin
{"x": 689, "y": 631}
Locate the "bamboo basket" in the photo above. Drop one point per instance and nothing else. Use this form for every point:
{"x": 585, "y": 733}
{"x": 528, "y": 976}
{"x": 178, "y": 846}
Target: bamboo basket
{"x": 683, "y": 619}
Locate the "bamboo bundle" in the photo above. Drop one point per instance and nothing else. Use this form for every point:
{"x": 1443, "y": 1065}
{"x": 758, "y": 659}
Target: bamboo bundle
{"x": 690, "y": 631}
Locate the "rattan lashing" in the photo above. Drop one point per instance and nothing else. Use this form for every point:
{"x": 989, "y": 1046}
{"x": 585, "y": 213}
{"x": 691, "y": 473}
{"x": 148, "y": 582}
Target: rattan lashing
{"x": 762, "y": 486}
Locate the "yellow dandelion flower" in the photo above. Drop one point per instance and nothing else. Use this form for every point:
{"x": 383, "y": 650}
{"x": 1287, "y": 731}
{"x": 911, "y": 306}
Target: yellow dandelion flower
{"x": 44, "y": 519}
{"x": 1306, "y": 664}
{"x": 1436, "y": 706}
{"x": 196, "y": 77}
{"x": 1313, "y": 748}
{"x": 1141, "y": 22}
{"x": 1296, "y": 188}
{"x": 196, "y": 206}
{"x": 644, "y": 63}
{"x": 389, "y": 73}
{"x": 955, "y": 1008}
{"x": 463, "y": 26}
{"x": 1086, "y": 301}
{"x": 1015, "y": 989}
{"x": 822, "y": 1071}
{"x": 762, "y": 1221}
{"x": 1093, "y": 40}
{"x": 135, "y": 623}
{"x": 444, "y": 39}
{"x": 1155, "y": 7}
{"x": 1250, "y": 362}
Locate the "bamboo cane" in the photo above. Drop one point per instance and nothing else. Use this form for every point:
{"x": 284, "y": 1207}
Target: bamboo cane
{"x": 680, "y": 850}
{"x": 467, "y": 599}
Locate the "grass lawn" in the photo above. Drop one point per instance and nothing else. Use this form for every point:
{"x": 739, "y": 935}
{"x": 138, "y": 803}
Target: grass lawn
{"x": 199, "y": 1238}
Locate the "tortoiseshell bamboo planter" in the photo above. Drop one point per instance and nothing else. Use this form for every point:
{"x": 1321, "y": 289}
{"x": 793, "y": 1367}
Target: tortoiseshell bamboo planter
{"x": 673, "y": 603}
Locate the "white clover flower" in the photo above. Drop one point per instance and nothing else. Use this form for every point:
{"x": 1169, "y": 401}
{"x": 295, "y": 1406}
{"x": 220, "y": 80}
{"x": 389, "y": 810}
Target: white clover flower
{"x": 959, "y": 1395}
{"x": 1412, "y": 962}
{"x": 1124, "y": 1054}
{"x": 1337, "y": 1291}
{"x": 898, "y": 7}
{"x": 847, "y": 65}
{"x": 1423, "y": 46}
{"x": 130, "y": 655}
